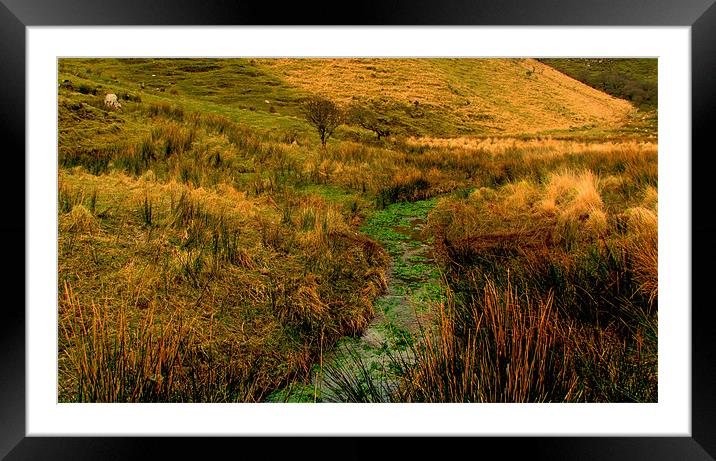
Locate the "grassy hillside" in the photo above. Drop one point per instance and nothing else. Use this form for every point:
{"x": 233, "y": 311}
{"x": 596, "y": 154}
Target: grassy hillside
{"x": 435, "y": 97}
{"x": 448, "y": 97}
{"x": 210, "y": 249}
{"x": 634, "y": 80}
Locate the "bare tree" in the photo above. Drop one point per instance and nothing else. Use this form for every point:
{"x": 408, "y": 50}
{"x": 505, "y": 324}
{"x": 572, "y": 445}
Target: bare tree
{"x": 324, "y": 115}
{"x": 368, "y": 119}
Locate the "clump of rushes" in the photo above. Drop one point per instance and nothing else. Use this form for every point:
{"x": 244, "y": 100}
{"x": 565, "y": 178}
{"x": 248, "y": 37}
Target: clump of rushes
{"x": 112, "y": 361}
{"x": 147, "y": 213}
{"x": 501, "y": 346}
{"x": 111, "y": 357}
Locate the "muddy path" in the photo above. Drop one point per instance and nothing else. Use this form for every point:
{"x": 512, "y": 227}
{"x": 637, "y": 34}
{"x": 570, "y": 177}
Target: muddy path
{"x": 362, "y": 368}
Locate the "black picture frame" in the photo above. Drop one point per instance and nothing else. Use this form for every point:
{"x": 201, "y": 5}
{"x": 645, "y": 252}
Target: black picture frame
{"x": 17, "y": 15}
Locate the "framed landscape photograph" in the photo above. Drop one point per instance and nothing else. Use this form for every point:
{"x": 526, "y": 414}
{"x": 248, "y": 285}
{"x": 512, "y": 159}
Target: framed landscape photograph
{"x": 429, "y": 223}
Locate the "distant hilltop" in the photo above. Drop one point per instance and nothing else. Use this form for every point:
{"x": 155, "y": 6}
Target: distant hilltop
{"x": 422, "y": 97}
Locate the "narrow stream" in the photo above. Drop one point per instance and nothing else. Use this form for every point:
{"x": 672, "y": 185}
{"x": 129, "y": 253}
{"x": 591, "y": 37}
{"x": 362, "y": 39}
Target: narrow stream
{"x": 412, "y": 287}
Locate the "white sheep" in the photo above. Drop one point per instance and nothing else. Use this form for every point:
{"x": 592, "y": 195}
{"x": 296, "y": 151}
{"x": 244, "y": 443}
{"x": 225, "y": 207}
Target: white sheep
{"x": 111, "y": 101}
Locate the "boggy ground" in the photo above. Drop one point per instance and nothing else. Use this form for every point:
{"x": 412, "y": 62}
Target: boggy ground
{"x": 360, "y": 367}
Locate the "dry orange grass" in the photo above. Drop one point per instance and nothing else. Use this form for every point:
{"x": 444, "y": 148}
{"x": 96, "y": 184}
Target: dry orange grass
{"x": 575, "y": 200}
{"x": 571, "y": 199}
{"x": 643, "y": 243}
{"x": 651, "y": 198}
{"x": 542, "y": 147}
{"x": 244, "y": 272}
{"x": 116, "y": 186}
{"x": 521, "y": 196}
{"x": 566, "y": 208}
{"x": 505, "y": 95}
{"x": 79, "y": 219}
{"x": 511, "y": 349}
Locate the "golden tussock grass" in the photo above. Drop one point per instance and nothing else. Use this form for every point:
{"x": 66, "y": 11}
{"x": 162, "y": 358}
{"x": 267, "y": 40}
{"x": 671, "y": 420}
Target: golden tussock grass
{"x": 79, "y": 219}
{"x": 651, "y": 198}
{"x": 520, "y": 197}
{"x": 307, "y": 306}
{"x": 567, "y": 207}
{"x": 643, "y": 243}
{"x": 575, "y": 200}
{"x": 610, "y": 182}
